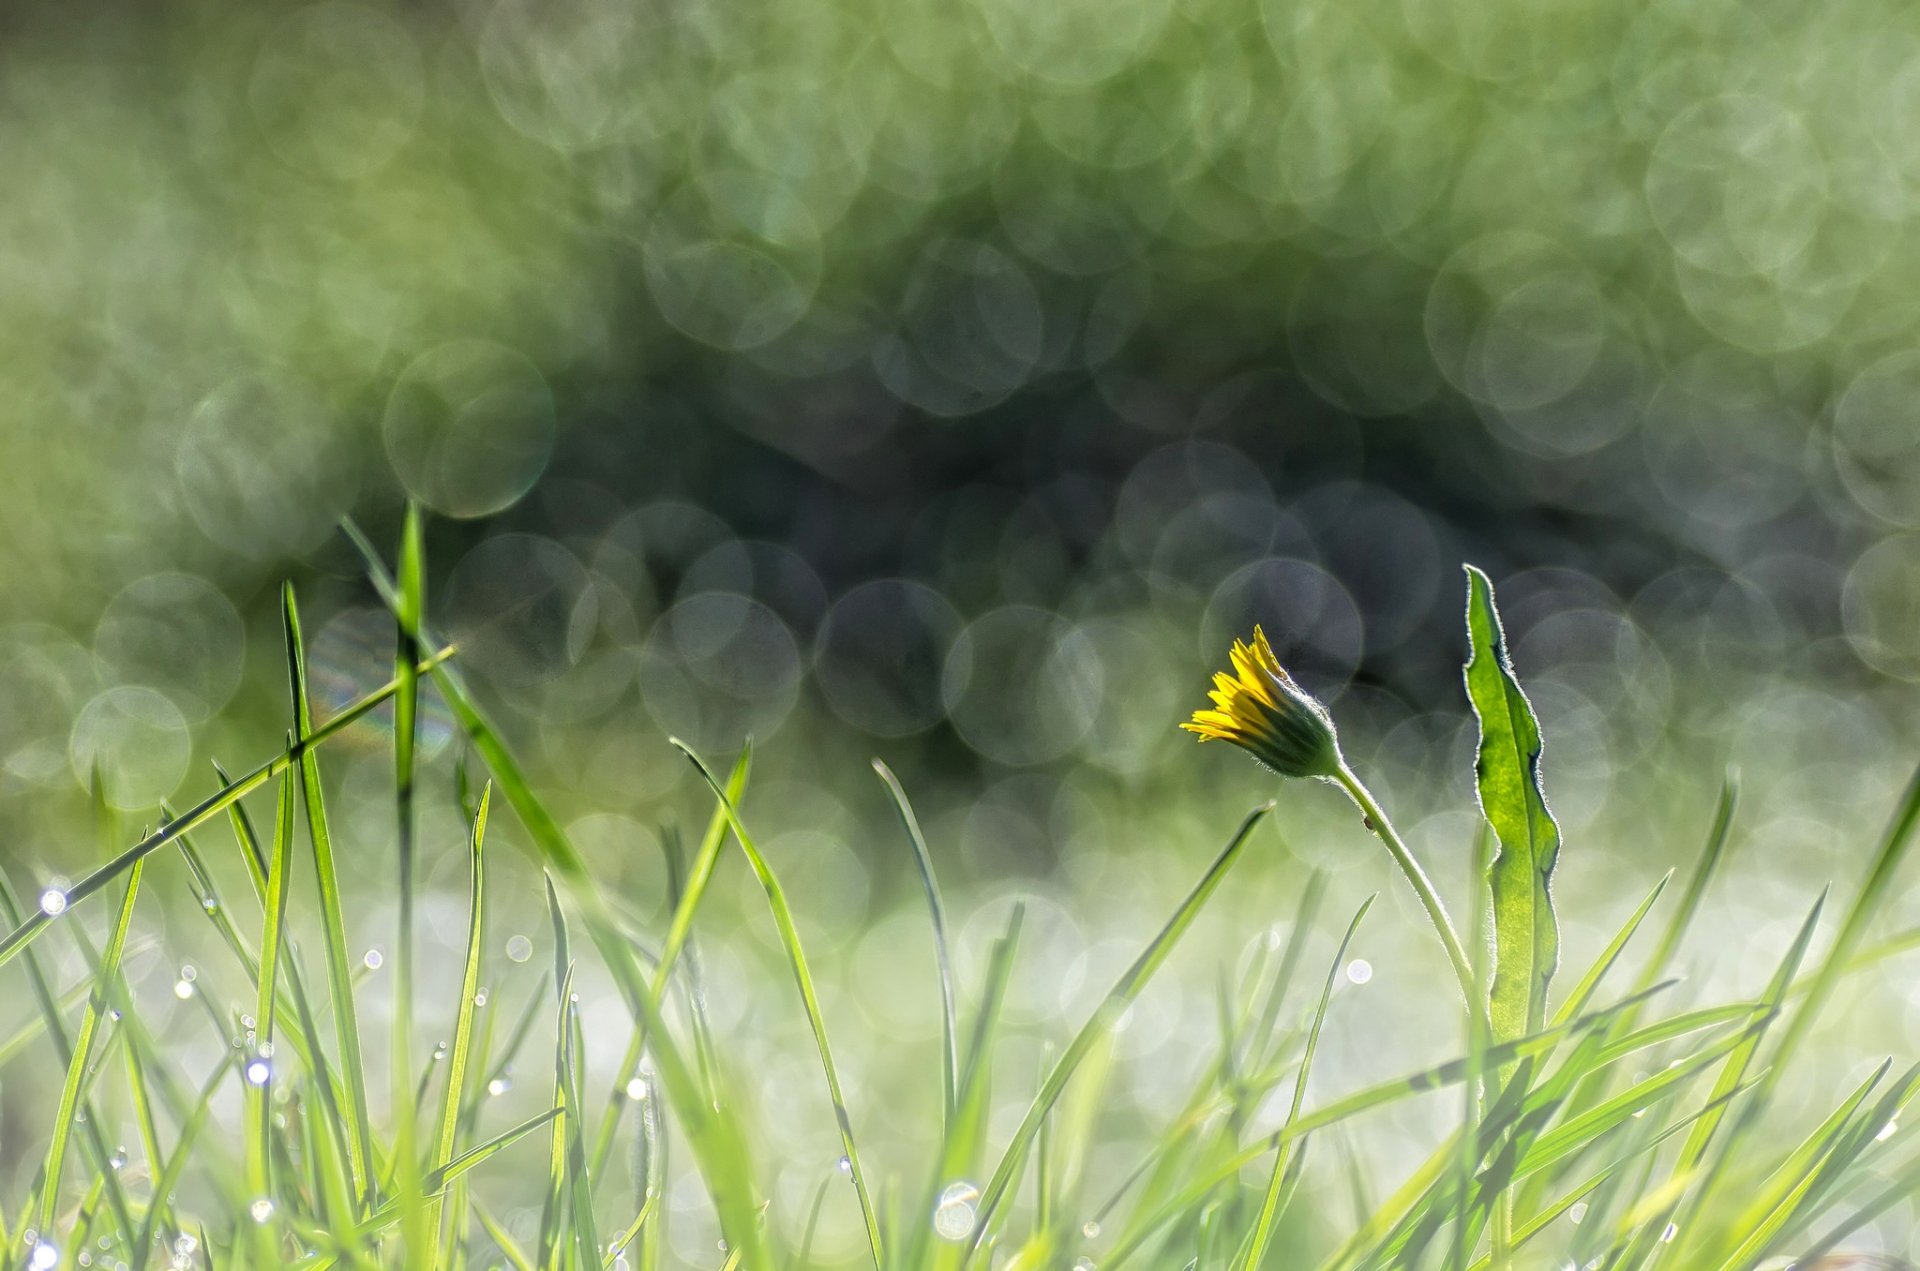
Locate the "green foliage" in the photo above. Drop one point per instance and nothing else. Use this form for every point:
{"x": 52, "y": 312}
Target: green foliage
{"x": 1526, "y": 934}
{"x": 1595, "y": 1128}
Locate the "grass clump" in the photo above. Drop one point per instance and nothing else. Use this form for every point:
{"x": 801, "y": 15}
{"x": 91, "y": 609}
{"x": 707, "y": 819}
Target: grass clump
{"x": 1596, "y": 1126}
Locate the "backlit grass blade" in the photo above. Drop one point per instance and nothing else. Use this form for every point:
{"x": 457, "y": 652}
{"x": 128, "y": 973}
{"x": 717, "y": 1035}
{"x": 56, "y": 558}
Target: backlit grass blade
{"x": 1719, "y": 834}
{"x": 679, "y": 929}
{"x": 28, "y": 930}
{"x": 168, "y": 1176}
{"x": 1773, "y": 1205}
{"x": 1277, "y": 1183}
{"x": 1526, "y": 932}
{"x": 803, "y": 977}
{"x": 937, "y": 912}
{"x": 1582, "y": 993}
{"x": 964, "y": 1139}
{"x": 1693, "y": 1158}
{"x": 272, "y": 928}
{"x": 1122, "y": 995}
{"x": 714, "y": 1136}
{"x": 1894, "y": 842}
{"x": 419, "y": 1221}
{"x": 333, "y": 925}
{"x": 460, "y": 1054}
{"x": 84, "y": 1041}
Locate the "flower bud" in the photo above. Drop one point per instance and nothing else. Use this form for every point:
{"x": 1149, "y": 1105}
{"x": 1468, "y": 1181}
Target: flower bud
{"x": 1260, "y": 709}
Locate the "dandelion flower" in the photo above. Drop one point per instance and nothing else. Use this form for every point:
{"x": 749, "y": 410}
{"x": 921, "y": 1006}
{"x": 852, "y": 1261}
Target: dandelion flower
{"x": 1260, "y": 709}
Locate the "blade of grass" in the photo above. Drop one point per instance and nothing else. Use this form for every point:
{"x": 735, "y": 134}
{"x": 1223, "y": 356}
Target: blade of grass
{"x": 937, "y": 912}
{"x": 679, "y": 929}
{"x": 1276, "y": 1184}
{"x": 27, "y": 931}
{"x": 461, "y": 1053}
{"x": 419, "y": 1222}
{"x": 333, "y": 924}
{"x": 83, "y": 1056}
{"x": 167, "y": 1180}
{"x": 719, "y": 1147}
{"x": 272, "y": 927}
{"x": 803, "y": 977}
{"x": 1124, "y": 991}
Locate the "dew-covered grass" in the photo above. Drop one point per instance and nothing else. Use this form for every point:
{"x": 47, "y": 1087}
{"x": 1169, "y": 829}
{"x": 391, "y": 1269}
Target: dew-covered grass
{"x": 624, "y": 1084}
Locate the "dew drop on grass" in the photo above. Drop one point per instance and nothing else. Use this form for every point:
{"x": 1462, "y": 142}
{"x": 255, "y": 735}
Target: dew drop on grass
{"x": 1083, "y": 1263}
{"x": 119, "y": 1157}
{"x": 519, "y": 948}
{"x": 846, "y": 1167}
{"x": 183, "y": 989}
{"x": 45, "y": 1256}
{"x": 53, "y": 903}
{"x": 1577, "y": 1211}
{"x": 261, "y": 1209}
{"x": 374, "y": 959}
{"x": 259, "y": 1072}
{"x": 953, "y": 1216}
{"x": 499, "y": 1085}
{"x": 1667, "y": 1236}
{"x": 1887, "y": 1131}
{"x": 1359, "y": 971}
{"x": 1090, "y": 1229}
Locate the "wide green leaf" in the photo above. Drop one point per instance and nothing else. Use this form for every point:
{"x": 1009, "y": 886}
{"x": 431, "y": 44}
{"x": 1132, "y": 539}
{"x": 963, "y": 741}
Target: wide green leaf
{"x": 1526, "y": 935}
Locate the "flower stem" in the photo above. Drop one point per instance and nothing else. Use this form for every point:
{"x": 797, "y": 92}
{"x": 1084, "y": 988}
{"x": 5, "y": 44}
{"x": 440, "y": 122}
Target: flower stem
{"x": 1422, "y": 885}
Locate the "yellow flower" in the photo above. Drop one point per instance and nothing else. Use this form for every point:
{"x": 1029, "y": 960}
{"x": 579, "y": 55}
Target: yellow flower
{"x": 1260, "y": 709}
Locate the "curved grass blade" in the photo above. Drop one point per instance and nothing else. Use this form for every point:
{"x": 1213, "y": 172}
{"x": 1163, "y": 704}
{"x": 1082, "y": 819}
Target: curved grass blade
{"x": 76, "y": 1054}
{"x": 679, "y": 930}
{"x": 1277, "y": 1184}
{"x": 803, "y": 977}
{"x": 26, "y": 932}
{"x": 937, "y": 912}
{"x": 333, "y": 924}
{"x": 461, "y": 1053}
{"x": 272, "y": 928}
{"x": 1124, "y": 991}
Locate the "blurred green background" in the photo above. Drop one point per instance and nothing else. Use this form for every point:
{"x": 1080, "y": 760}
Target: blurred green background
{"x": 951, "y": 382}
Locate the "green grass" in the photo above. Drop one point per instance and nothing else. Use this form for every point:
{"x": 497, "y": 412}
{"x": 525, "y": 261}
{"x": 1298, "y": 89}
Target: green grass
{"x": 1597, "y": 1121}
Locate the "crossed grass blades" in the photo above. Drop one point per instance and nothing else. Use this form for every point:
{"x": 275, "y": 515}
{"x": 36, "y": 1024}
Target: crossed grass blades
{"x": 1565, "y": 1153}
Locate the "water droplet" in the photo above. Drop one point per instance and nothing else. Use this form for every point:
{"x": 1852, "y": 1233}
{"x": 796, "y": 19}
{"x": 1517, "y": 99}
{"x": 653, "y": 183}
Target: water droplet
{"x": 114, "y": 1016}
{"x": 636, "y": 1089}
{"x": 189, "y": 972}
{"x": 1359, "y": 971}
{"x": 1090, "y": 1229}
{"x": 846, "y": 1167}
{"x": 1083, "y": 1263}
{"x": 500, "y": 1085}
{"x": 45, "y": 1257}
{"x": 480, "y": 998}
{"x": 266, "y": 1050}
{"x": 374, "y": 959}
{"x": 1887, "y": 1131}
{"x": 1667, "y": 1236}
{"x": 519, "y": 948}
{"x": 53, "y": 903}
{"x": 185, "y": 1246}
{"x": 953, "y": 1216}
{"x": 210, "y": 905}
{"x": 259, "y": 1072}
{"x": 261, "y": 1209}
{"x": 119, "y": 1157}
{"x": 1577, "y": 1211}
